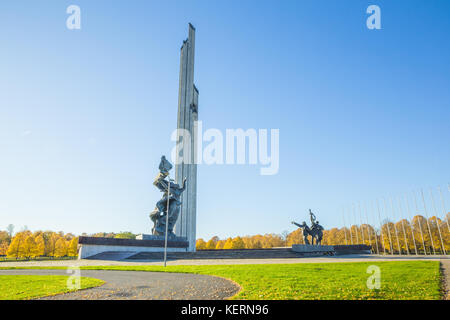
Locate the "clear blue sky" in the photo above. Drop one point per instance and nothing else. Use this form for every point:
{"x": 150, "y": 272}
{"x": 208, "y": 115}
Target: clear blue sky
{"x": 85, "y": 115}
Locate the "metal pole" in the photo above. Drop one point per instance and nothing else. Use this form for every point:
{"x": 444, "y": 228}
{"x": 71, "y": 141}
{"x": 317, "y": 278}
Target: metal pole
{"x": 428, "y": 223}
{"x": 345, "y": 232}
{"x": 360, "y": 221}
{"x": 443, "y": 208}
{"x": 367, "y": 226}
{"x": 351, "y": 235}
{"x": 395, "y": 227}
{"x": 410, "y": 225}
{"x": 167, "y": 221}
{"x": 391, "y": 247}
{"x": 420, "y": 224}
{"x": 374, "y": 229}
{"x": 381, "y": 227}
{"x": 437, "y": 222}
{"x": 356, "y": 221}
{"x": 403, "y": 225}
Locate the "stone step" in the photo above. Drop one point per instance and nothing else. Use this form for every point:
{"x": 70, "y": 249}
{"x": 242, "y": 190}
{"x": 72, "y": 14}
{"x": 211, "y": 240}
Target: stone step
{"x": 113, "y": 255}
{"x": 280, "y": 253}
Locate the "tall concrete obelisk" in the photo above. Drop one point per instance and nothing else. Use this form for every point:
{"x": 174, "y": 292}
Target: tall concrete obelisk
{"x": 186, "y": 166}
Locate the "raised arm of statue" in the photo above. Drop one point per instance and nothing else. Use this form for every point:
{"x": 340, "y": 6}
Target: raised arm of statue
{"x": 298, "y": 225}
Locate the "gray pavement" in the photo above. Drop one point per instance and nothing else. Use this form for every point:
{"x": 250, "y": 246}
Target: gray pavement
{"x": 135, "y": 285}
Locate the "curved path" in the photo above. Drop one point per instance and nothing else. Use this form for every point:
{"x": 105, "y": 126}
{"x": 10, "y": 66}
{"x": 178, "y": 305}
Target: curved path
{"x": 141, "y": 285}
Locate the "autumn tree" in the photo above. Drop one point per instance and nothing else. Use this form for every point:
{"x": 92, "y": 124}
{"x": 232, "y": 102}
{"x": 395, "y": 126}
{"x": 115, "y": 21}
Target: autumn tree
{"x": 5, "y": 240}
{"x": 220, "y": 244}
{"x": 29, "y": 247}
{"x": 211, "y": 244}
{"x": 237, "y": 243}
{"x": 50, "y": 246}
{"x": 73, "y": 247}
{"x": 16, "y": 248}
{"x": 3, "y": 248}
{"x": 200, "y": 244}
{"x": 40, "y": 245}
{"x": 60, "y": 248}
{"x": 228, "y": 244}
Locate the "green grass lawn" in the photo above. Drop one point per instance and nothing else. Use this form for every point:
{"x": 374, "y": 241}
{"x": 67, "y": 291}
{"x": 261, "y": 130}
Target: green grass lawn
{"x": 399, "y": 280}
{"x": 343, "y": 281}
{"x": 19, "y": 287}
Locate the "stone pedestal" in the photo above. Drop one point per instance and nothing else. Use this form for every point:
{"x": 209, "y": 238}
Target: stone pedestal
{"x": 95, "y": 246}
{"x": 335, "y": 250}
{"x": 160, "y": 238}
{"x": 308, "y": 248}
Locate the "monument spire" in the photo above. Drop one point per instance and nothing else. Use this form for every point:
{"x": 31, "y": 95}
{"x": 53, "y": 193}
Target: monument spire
{"x": 185, "y": 166}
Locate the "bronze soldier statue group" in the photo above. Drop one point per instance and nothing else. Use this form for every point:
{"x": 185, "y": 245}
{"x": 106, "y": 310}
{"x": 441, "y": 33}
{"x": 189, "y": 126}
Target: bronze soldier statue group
{"x": 316, "y": 230}
{"x": 170, "y": 205}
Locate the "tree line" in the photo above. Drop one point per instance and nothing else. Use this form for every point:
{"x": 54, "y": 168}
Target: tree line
{"x": 30, "y": 245}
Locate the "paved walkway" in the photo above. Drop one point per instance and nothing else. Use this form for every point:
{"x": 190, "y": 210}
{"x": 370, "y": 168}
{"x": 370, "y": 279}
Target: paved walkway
{"x": 134, "y": 285}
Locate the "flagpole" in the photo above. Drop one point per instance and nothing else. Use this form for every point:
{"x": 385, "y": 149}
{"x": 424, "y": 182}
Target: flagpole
{"x": 395, "y": 227}
{"x": 167, "y": 221}
{"x": 374, "y": 226}
{"x": 428, "y": 223}
{"x": 345, "y": 232}
{"x": 411, "y": 223}
{"x": 391, "y": 247}
{"x": 436, "y": 219}
{"x": 403, "y": 225}
{"x": 443, "y": 208}
{"x": 381, "y": 227}
{"x": 418, "y": 220}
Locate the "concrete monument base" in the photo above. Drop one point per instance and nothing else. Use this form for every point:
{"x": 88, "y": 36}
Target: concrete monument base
{"x": 308, "y": 248}
{"x": 334, "y": 250}
{"x": 90, "y": 247}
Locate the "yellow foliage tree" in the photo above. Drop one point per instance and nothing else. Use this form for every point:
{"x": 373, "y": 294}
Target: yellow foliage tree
{"x": 29, "y": 247}
{"x": 16, "y": 248}
{"x": 220, "y": 244}
{"x": 237, "y": 243}
{"x": 40, "y": 245}
{"x": 50, "y": 245}
{"x": 211, "y": 244}
{"x": 295, "y": 237}
{"x": 3, "y": 248}
{"x": 200, "y": 244}
{"x": 73, "y": 247}
{"x": 228, "y": 244}
{"x": 60, "y": 248}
